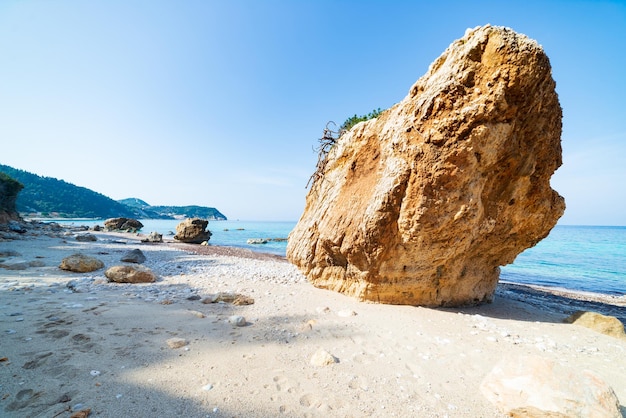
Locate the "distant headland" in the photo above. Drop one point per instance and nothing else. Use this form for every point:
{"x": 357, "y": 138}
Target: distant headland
{"x": 47, "y": 197}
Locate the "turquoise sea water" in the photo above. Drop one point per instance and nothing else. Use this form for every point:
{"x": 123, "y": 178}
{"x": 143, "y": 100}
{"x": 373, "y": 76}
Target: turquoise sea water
{"x": 584, "y": 258}
{"x": 227, "y": 233}
{"x": 588, "y": 258}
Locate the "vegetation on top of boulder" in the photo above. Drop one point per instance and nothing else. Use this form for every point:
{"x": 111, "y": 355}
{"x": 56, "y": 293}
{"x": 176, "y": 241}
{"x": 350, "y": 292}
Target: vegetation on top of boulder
{"x": 330, "y": 137}
{"x": 353, "y": 120}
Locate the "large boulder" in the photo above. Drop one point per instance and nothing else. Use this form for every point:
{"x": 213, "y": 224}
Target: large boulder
{"x": 423, "y": 204}
{"x": 192, "y": 231}
{"x": 122, "y": 224}
{"x": 532, "y": 386}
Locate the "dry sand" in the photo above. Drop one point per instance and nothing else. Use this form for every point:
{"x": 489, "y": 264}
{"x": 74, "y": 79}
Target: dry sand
{"x": 71, "y": 341}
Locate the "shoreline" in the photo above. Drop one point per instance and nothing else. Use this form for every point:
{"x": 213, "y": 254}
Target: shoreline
{"x": 548, "y": 298}
{"x": 556, "y": 300}
{"x": 73, "y": 341}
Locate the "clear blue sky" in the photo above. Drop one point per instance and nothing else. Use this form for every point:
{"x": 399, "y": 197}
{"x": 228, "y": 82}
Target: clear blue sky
{"x": 219, "y": 103}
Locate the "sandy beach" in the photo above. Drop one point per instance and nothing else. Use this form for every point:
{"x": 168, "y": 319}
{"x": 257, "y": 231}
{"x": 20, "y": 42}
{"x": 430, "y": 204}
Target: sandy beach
{"x": 73, "y": 342}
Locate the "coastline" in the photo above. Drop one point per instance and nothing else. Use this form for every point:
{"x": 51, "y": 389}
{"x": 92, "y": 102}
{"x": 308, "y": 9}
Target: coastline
{"x": 391, "y": 360}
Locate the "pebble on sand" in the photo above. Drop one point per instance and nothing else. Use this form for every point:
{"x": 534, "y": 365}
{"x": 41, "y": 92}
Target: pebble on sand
{"x": 323, "y": 358}
{"x": 237, "y": 320}
{"x": 197, "y": 314}
{"x": 177, "y": 342}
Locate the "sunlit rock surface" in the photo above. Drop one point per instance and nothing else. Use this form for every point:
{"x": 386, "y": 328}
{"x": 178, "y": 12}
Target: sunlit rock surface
{"x": 423, "y": 204}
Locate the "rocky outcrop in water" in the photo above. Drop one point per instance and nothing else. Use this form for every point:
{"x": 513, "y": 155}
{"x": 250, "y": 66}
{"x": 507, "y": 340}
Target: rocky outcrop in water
{"x": 423, "y": 204}
{"x": 193, "y": 231}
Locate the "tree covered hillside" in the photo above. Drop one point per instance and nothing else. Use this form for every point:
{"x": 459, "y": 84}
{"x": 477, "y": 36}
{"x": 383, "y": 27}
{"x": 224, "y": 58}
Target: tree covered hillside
{"x": 47, "y": 196}
{"x": 9, "y": 190}
{"x": 193, "y": 211}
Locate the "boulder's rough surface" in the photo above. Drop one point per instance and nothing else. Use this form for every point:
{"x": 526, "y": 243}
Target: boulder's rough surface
{"x": 192, "y": 231}
{"x": 80, "y": 263}
{"x": 423, "y": 204}
{"x": 122, "y": 224}
{"x": 130, "y": 274}
{"x": 604, "y": 324}
{"x": 532, "y": 386}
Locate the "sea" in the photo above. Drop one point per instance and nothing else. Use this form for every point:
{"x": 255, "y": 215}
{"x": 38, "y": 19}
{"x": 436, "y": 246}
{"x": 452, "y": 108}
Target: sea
{"x": 578, "y": 258}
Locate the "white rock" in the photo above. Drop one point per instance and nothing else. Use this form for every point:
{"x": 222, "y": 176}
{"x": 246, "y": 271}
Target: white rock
{"x": 323, "y": 358}
{"x": 197, "y": 314}
{"x": 537, "y": 386}
{"x": 237, "y": 320}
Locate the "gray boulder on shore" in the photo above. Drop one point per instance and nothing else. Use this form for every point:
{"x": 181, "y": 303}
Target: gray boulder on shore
{"x": 134, "y": 256}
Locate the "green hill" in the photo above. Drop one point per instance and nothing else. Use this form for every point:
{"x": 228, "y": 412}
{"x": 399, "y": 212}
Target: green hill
{"x": 47, "y": 196}
{"x": 193, "y": 211}
{"x": 50, "y": 197}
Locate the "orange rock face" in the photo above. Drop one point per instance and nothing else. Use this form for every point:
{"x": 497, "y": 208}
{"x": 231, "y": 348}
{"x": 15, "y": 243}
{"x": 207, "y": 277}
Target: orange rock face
{"x": 423, "y": 204}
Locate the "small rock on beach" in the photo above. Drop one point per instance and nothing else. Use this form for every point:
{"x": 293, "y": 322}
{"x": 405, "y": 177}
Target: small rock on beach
{"x": 130, "y": 274}
{"x": 323, "y": 358}
{"x": 176, "y": 342}
{"x": 134, "y": 256}
{"x": 80, "y": 263}
{"x": 237, "y": 320}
